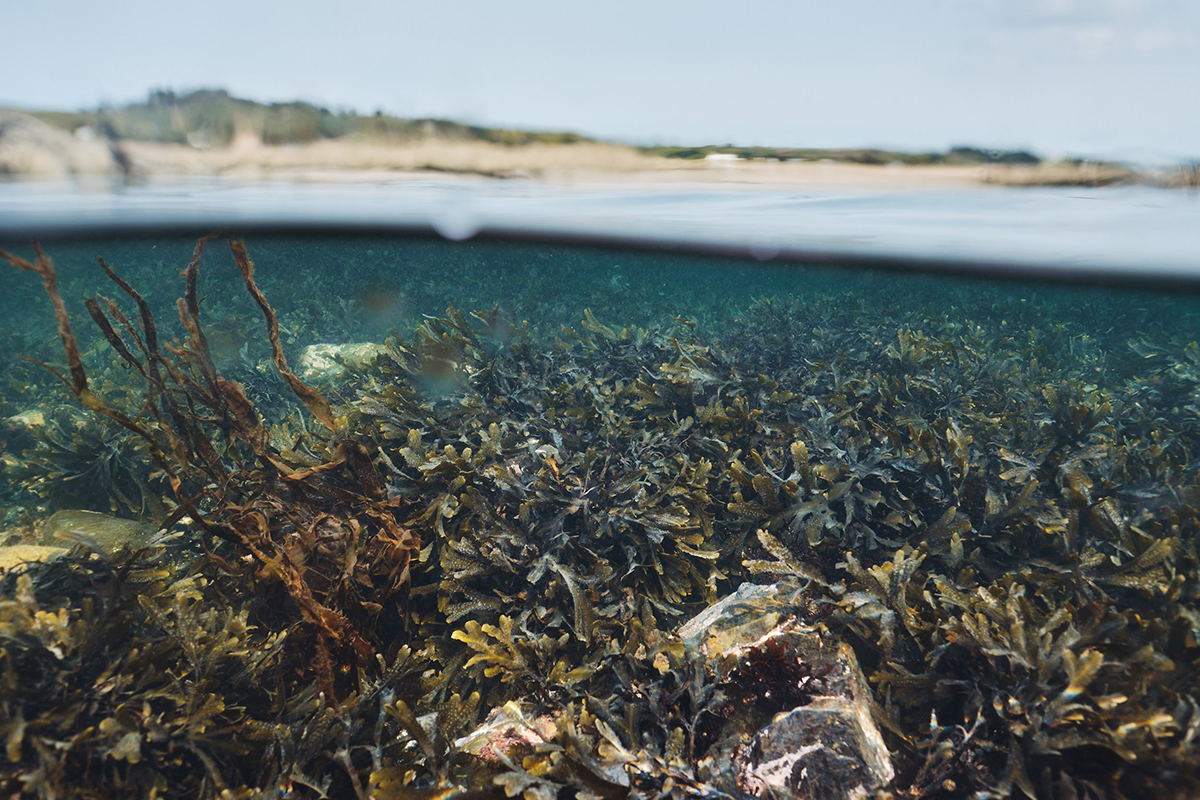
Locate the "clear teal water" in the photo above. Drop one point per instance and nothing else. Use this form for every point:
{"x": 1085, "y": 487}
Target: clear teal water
{"x": 357, "y": 288}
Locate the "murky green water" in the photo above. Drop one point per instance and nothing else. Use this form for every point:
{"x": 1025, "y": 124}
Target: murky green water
{"x": 986, "y": 489}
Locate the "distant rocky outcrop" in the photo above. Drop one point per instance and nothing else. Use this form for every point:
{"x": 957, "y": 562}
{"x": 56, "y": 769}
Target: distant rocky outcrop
{"x": 29, "y": 146}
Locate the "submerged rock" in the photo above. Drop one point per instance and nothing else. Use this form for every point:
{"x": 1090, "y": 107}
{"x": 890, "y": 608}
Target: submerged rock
{"x": 827, "y": 745}
{"x": 95, "y": 530}
{"x": 795, "y": 720}
{"x": 19, "y": 433}
{"x": 27, "y": 420}
{"x": 829, "y": 748}
{"x": 505, "y": 732}
{"x": 744, "y": 616}
{"x": 333, "y": 361}
{"x": 14, "y": 555}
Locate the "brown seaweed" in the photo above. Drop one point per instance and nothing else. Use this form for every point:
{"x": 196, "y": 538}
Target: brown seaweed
{"x": 506, "y": 523}
{"x": 284, "y": 521}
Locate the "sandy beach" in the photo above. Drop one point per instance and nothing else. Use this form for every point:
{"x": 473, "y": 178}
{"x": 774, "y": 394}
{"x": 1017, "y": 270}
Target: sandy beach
{"x": 342, "y": 161}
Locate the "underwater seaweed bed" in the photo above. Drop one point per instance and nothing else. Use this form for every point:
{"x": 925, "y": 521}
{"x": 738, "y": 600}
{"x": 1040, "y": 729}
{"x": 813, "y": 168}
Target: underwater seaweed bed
{"x": 988, "y": 490}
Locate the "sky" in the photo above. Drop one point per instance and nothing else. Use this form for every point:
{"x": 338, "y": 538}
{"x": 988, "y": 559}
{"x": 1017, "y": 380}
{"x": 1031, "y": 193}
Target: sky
{"x": 1099, "y": 78}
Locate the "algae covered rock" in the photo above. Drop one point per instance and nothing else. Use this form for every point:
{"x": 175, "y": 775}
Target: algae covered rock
{"x": 95, "y": 530}
{"x": 744, "y": 616}
{"x": 334, "y": 361}
{"x": 27, "y": 419}
{"x": 14, "y": 555}
{"x": 827, "y": 748}
{"x": 767, "y": 659}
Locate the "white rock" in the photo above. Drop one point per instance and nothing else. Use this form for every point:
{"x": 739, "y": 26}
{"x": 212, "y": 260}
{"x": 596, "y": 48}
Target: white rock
{"x": 29, "y": 146}
{"x": 829, "y": 747}
{"x": 334, "y": 361}
{"x": 28, "y": 420}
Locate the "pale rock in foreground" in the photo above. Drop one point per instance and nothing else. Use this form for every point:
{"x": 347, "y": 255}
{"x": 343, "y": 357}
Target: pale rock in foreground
{"x": 829, "y": 747}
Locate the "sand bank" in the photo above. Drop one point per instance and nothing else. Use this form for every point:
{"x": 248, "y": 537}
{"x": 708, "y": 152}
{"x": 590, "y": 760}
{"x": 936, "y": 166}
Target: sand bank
{"x": 343, "y": 161}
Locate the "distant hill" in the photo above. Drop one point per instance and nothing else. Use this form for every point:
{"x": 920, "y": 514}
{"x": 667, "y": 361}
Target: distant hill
{"x": 213, "y": 118}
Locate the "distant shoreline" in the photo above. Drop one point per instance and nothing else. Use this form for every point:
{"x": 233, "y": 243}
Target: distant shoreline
{"x": 210, "y": 134}
{"x": 340, "y": 161}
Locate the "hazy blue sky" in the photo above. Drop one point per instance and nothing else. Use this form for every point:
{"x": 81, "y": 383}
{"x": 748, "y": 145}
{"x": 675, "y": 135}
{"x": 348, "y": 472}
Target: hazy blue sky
{"x": 1101, "y": 77}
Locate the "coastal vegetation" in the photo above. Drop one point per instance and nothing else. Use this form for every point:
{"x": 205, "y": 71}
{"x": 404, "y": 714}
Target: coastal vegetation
{"x": 212, "y": 118}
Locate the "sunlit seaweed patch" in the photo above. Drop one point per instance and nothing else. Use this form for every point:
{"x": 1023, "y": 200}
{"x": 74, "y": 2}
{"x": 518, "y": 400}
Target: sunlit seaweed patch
{"x": 460, "y": 570}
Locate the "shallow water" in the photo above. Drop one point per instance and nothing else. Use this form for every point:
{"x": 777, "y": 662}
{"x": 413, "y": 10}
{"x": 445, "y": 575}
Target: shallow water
{"x": 986, "y": 488}
{"x": 362, "y": 287}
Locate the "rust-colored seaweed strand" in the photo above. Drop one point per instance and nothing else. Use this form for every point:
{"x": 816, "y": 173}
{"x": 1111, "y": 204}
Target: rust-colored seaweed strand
{"x": 149, "y": 346}
{"x": 114, "y": 339}
{"x": 332, "y": 627}
{"x": 149, "y": 329}
{"x": 44, "y": 268}
{"x": 315, "y": 401}
{"x": 79, "y": 381}
{"x": 224, "y": 397}
{"x": 245, "y": 418}
{"x": 189, "y": 315}
{"x": 117, "y": 314}
{"x": 155, "y": 385}
{"x": 148, "y": 368}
